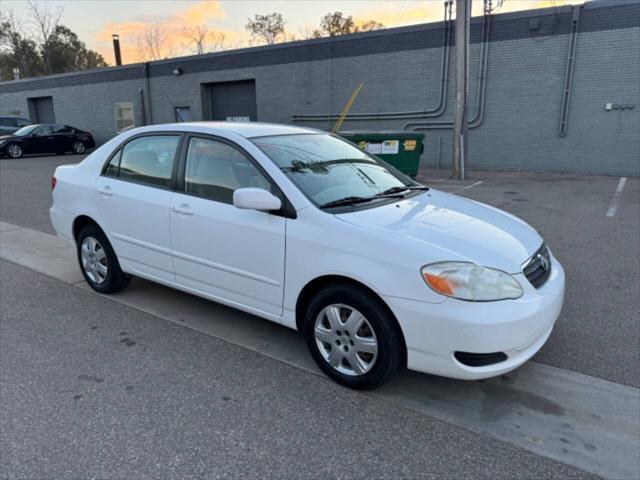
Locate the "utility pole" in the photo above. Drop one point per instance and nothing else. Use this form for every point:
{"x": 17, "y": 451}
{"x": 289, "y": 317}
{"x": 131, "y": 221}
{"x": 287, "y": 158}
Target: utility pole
{"x": 460, "y": 123}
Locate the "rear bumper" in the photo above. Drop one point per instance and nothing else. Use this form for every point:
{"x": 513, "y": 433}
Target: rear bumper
{"x": 62, "y": 221}
{"x": 518, "y": 328}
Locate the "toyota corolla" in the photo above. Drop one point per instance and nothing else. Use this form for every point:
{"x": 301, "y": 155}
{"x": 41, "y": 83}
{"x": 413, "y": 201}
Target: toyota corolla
{"x": 302, "y": 228}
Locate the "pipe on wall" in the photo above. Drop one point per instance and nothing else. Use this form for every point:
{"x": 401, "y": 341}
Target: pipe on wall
{"x": 478, "y": 115}
{"x": 568, "y": 78}
{"x": 432, "y": 112}
{"x": 147, "y": 94}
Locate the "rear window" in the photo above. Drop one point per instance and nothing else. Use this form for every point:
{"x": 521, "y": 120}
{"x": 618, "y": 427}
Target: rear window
{"x": 146, "y": 160}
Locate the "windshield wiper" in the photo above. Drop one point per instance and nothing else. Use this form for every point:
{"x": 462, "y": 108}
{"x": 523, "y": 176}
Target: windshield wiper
{"x": 346, "y": 201}
{"x": 401, "y": 189}
{"x": 353, "y": 200}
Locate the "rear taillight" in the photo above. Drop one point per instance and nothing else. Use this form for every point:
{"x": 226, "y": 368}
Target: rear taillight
{"x": 53, "y": 183}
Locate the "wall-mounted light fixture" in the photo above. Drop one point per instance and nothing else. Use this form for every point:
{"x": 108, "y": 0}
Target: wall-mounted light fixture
{"x": 177, "y": 71}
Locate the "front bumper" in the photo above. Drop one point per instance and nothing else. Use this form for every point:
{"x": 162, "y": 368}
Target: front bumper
{"x": 518, "y": 328}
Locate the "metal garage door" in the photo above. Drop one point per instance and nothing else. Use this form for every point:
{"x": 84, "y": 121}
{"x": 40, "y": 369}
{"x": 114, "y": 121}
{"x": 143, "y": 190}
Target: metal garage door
{"x": 41, "y": 110}
{"x": 233, "y": 101}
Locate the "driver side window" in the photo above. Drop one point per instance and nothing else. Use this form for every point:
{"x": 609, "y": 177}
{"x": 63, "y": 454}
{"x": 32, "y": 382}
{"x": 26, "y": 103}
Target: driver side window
{"x": 43, "y": 130}
{"x": 215, "y": 169}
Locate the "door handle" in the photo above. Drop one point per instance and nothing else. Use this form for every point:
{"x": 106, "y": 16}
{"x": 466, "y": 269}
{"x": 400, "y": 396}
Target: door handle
{"x": 183, "y": 209}
{"x": 106, "y": 191}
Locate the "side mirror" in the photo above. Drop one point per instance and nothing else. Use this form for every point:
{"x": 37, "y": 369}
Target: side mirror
{"x": 256, "y": 199}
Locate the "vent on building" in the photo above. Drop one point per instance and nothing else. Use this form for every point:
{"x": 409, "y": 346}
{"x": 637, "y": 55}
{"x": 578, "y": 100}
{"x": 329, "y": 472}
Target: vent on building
{"x": 534, "y": 24}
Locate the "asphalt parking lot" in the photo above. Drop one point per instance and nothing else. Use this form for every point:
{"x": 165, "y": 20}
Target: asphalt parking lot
{"x": 95, "y": 385}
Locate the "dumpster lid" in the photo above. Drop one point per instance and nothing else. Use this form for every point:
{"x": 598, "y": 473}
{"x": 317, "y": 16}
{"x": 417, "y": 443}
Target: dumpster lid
{"x": 385, "y": 133}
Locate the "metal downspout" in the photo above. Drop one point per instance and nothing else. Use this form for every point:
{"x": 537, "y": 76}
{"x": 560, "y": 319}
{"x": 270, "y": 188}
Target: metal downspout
{"x": 432, "y": 112}
{"x": 147, "y": 94}
{"x": 568, "y": 78}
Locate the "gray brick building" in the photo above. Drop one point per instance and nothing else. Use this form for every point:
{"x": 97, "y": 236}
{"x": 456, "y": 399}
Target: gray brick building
{"x": 516, "y": 104}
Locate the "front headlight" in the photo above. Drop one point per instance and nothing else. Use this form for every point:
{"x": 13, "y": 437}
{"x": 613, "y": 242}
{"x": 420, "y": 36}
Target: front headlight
{"x": 467, "y": 281}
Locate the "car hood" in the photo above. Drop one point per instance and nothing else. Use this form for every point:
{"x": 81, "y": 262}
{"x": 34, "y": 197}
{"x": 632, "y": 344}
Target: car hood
{"x": 5, "y": 137}
{"x": 449, "y": 227}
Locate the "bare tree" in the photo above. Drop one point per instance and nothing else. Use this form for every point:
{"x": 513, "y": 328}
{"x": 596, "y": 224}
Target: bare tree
{"x": 369, "y": 26}
{"x": 45, "y": 20}
{"x": 266, "y": 28}
{"x": 153, "y": 44}
{"x": 307, "y": 32}
{"x": 200, "y": 39}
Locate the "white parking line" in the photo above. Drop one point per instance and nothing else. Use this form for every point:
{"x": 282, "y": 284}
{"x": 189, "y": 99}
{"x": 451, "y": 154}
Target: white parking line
{"x": 583, "y": 421}
{"x": 471, "y": 186}
{"x": 616, "y": 197}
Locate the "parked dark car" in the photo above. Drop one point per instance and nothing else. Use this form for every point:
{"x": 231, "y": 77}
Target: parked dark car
{"x": 46, "y": 138}
{"x": 10, "y": 124}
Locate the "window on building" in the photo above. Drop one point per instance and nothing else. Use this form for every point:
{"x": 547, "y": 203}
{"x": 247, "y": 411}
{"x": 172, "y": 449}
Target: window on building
{"x": 146, "y": 160}
{"x": 124, "y": 116}
{"x": 182, "y": 114}
{"x": 214, "y": 170}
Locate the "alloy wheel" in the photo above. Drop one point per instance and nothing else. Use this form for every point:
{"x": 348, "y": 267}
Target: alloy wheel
{"x": 94, "y": 260}
{"x": 78, "y": 147}
{"x": 346, "y": 339}
{"x": 14, "y": 151}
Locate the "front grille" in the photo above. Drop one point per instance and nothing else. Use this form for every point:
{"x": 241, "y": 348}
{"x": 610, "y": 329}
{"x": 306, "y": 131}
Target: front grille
{"x": 538, "y": 268}
{"x": 479, "y": 359}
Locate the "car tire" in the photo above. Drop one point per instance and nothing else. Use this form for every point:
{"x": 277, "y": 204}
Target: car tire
{"x": 98, "y": 262}
{"x": 14, "y": 150}
{"x": 337, "y": 337}
{"x": 78, "y": 148}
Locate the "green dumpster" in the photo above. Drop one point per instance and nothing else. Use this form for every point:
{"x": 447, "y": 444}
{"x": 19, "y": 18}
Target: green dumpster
{"x": 400, "y": 148}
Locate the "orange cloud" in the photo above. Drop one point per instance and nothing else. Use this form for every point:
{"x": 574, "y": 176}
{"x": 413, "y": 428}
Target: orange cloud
{"x": 202, "y": 13}
{"x": 171, "y": 29}
{"x": 391, "y": 14}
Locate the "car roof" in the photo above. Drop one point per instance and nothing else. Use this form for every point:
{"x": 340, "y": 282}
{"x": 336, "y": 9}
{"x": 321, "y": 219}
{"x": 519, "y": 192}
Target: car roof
{"x": 245, "y": 129}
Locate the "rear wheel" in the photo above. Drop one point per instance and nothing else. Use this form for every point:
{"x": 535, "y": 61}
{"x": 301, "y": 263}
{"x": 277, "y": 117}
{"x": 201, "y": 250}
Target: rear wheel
{"x": 78, "y": 148}
{"x": 353, "y": 337}
{"x": 98, "y": 261}
{"x": 14, "y": 150}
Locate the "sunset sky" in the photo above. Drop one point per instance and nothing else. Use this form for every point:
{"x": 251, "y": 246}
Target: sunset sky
{"x": 95, "y": 20}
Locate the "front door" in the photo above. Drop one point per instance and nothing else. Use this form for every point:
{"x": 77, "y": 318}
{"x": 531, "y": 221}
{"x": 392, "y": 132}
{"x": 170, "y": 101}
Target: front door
{"x": 134, "y": 197}
{"x": 41, "y": 140}
{"x": 233, "y": 255}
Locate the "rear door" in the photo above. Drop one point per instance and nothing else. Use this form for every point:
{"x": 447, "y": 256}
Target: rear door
{"x": 63, "y": 138}
{"x": 234, "y": 255}
{"x": 134, "y": 195}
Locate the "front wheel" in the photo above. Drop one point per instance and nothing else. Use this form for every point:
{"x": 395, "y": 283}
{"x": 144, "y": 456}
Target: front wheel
{"x": 353, "y": 337}
{"x": 14, "y": 150}
{"x": 79, "y": 148}
{"x": 98, "y": 261}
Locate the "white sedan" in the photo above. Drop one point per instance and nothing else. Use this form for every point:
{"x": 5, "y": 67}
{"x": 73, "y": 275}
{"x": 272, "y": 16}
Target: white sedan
{"x": 304, "y": 229}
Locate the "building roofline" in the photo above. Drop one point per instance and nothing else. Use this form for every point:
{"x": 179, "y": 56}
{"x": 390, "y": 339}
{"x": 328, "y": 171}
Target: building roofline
{"x": 383, "y": 33}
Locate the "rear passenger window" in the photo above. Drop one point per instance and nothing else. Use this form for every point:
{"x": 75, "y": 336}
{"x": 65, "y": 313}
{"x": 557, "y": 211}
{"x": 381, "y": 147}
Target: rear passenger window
{"x": 111, "y": 170}
{"x": 214, "y": 170}
{"x": 146, "y": 160}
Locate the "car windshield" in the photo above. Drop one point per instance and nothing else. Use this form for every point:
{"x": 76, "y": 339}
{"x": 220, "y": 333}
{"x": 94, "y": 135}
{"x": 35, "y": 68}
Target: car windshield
{"x": 328, "y": 169}
{"x": 24, "y": 131}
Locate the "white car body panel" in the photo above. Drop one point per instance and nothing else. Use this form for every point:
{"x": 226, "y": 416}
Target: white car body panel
{"x": 219, "y": 249}
{"x": 260, "y": 263}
